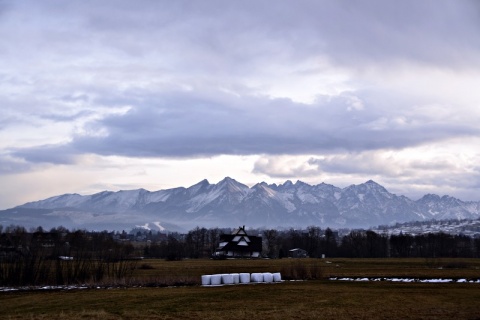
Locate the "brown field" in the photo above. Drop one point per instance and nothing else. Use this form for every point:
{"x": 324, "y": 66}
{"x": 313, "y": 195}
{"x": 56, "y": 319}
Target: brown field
{"x": 311, "y": 299}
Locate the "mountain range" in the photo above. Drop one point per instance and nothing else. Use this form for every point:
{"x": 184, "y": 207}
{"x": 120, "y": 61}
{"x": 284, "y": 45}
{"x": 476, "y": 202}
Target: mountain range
{"x": 230, "y": 203}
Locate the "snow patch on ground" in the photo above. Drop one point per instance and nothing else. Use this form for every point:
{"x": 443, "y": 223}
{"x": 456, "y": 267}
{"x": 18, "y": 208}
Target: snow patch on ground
{"x": 408, "y": 280}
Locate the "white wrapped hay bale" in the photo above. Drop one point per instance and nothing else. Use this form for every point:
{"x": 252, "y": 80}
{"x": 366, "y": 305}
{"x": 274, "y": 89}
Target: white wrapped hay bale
{"x": 227, "y": 278}
{"x": 244, "y": 277}
{"x": 236, "y": 278}
{"x": 277, "y": 277}
{"x": 216, "y": 279}
{"x": 267, "y": 277}
{"x": 206, "y": 280}
{"x": 256, "y": 277}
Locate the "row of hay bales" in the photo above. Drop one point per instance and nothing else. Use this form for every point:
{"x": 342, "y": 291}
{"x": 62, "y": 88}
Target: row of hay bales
{"x": 240, "y": 278}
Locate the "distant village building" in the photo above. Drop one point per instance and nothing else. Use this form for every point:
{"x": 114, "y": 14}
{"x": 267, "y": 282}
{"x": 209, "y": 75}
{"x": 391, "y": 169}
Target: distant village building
{"x": 298, "y": 253}
{"x": 239, "y": 245}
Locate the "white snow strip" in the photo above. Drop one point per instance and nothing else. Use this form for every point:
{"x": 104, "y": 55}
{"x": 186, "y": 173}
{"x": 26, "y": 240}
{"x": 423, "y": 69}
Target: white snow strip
{"x": 409, "y": 280}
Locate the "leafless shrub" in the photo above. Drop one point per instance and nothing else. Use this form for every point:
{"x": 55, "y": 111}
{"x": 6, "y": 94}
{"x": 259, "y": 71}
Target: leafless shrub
{"x": 146, "y": 266}
{"x": 300, "y": 270}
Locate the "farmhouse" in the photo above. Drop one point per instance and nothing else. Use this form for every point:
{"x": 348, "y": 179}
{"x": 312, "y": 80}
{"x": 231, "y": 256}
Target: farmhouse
{"x": 239, "y": 245}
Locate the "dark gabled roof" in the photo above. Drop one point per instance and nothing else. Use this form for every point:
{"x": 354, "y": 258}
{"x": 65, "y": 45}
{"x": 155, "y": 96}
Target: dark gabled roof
{"x": 241, "y": 242}
{"x": 255, "y": 244}
{"x": 240, "y": 231}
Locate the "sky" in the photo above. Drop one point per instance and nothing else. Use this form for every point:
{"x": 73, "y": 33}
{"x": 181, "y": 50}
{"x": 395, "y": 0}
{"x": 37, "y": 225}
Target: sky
{"x": 119, "y": 95}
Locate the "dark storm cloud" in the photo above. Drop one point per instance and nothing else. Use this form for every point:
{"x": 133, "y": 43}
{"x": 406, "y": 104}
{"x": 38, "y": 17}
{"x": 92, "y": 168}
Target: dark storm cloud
{"x": 431, "y": 32}
{"x": 54, "y": 154}
{"x": 198, "y": 124}
{"x": 4, "y": 6}
{"x": 231, "y": 37}
{"x": 13, "y": 166}
{"x": 350, "y": 33}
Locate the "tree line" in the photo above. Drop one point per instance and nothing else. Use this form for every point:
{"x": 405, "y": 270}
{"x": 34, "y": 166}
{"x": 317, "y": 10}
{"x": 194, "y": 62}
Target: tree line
{"x": 60, "y": 256}
{"x": 317, "y": 242}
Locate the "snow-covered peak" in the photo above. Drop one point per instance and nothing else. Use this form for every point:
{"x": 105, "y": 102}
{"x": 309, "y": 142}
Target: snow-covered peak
{"x": 301, "y": 184}
{"x": 372, "y": 185}
{"x": 273, "y": 186}
{"x": 368, "y": 187}
{"x": 231, "y": 185}
{"x": 64, "y": 201}
{"x": 287, "y": 184}
{"x": 226, "y": 191}
{"x": 449, "y": 199}
{"x": 429, "y": 198}
{"x": 199, "y": 187}
{"x": 123, "y": 199}
{"x": 226, "y": 180}
{"x": 264, "y": 189}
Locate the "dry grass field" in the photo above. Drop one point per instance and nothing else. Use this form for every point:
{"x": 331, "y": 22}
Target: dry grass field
{"x": 311, "y": 299}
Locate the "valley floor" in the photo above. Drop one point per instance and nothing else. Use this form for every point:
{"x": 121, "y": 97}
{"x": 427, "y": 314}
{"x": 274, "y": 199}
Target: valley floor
{"x": 310, "y": 299}
{"x": 289, "y": 300}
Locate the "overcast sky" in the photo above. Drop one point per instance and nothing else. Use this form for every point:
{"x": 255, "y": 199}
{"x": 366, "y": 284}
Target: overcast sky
{"x": 111, "y": 95}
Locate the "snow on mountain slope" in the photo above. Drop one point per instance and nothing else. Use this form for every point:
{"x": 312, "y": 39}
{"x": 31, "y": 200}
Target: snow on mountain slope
{"x": 226, "y": 192}
{"x": 157, "y": 196}
{"x": 447, "y": 207}
{"x": 64, "y": 201}
{"x": 229, "y": 202}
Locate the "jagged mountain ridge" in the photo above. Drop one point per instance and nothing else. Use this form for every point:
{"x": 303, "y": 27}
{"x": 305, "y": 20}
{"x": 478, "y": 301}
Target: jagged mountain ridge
{"x": 229, "y": 203}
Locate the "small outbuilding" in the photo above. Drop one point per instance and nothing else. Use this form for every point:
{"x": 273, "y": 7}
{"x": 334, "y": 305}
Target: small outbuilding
{"x": 297, "y": 253}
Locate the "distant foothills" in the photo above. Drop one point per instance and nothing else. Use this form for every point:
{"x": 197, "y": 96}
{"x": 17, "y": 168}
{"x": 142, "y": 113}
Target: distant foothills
{"x": 230, "y": 203}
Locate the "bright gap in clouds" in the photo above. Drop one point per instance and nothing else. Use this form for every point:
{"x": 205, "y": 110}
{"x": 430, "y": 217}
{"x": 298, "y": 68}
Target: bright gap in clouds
{"x": 302, "y": 82}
